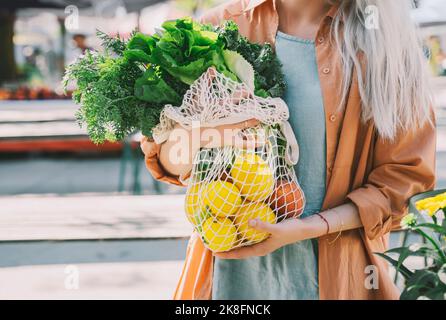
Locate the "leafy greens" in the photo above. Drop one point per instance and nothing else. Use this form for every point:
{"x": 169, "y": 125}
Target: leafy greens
{"x": 125, "y": 87}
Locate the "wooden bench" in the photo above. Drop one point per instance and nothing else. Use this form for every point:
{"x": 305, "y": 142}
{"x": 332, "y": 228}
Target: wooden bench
{"x": 95, "y": 228}
{"x": 44, "y": 125}
{"x": 35, "y": 218}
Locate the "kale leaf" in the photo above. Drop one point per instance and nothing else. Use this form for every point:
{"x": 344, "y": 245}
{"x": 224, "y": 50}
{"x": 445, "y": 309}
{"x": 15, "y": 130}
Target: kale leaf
{"x": 269, "y": 79}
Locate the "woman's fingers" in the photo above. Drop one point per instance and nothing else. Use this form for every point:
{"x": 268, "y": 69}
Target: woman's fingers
{"x": 240, "y": 96}
{"x": 232, "y": 135}
{"x": 240, "y": 125}
{"x": 263, "y": 226}
{"x": 256, "y": 250}
{"x": 248, "y": 143}
{"x": 238, "y": 135}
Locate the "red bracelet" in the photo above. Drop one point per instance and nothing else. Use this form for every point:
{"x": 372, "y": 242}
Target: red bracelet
{"x": 326, "y": 222}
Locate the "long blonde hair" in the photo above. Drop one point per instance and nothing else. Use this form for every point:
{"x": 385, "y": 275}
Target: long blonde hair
{"x": 393, "y": 81}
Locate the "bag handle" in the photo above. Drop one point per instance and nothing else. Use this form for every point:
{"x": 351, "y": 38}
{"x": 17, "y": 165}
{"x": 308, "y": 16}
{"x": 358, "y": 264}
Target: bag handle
{"x": 292, "y": 147}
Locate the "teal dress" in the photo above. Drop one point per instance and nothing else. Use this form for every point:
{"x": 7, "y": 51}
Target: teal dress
{"x": 291, "y": 271}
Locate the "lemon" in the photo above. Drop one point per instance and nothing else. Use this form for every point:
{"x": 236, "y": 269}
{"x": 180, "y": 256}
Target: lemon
{"x": 222, "y": 198}
{"x": 253, "y": 176}
{"x": 220, "y": 234}
{"x": 193, "y": 204}
{"x": 251, "y": 211}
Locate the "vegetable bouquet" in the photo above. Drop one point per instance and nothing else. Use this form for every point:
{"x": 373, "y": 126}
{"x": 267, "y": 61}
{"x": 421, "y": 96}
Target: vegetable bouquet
{"x": 190, "y": 72}
{"x": 125, "y": 88}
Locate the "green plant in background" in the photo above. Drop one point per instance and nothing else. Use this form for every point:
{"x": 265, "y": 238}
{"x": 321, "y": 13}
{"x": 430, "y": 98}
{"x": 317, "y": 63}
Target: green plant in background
{"x": 429, "y": 222}
{"x": 126, "y": 87}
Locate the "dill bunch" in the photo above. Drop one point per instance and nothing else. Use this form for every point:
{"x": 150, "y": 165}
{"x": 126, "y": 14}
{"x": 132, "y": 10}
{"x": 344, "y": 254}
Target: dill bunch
{"x": 105, "y": 90}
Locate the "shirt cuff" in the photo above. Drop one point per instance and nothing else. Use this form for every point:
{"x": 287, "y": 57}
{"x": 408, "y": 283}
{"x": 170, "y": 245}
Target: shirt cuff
{"x": 151, "y": 151}
{"x": 374, "y": 211}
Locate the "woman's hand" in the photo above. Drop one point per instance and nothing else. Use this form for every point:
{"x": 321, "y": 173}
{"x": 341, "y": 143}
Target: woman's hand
{"x": 341, "y": 218}
{"x": 178, "y": 151}
{"x": 286, "y": 232}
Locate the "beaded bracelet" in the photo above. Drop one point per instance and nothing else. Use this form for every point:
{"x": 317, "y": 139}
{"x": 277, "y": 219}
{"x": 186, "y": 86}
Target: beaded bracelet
{"x": 326, "y": 222}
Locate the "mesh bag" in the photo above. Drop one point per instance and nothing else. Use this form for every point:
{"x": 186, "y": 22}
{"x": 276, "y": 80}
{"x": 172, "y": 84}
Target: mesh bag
{"x": 229, "y": 186}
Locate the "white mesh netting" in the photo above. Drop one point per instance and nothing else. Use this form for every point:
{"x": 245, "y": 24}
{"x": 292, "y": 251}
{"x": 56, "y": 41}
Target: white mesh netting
{"x": 229, "y": 186}
{"x": 213, "y": 100}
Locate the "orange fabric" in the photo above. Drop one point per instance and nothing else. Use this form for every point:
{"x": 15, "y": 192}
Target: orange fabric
{"x": 377, "y": 175}
{"x": 196, "y": 278}
{"x": 151, "y": 152}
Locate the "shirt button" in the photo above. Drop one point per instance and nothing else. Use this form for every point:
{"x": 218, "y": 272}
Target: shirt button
{"x": 333, "y": 118}
{"x": 326, "y": 70}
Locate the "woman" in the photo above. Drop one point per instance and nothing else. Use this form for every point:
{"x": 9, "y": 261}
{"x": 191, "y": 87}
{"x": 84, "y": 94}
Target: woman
{"x": 360, "y": 107}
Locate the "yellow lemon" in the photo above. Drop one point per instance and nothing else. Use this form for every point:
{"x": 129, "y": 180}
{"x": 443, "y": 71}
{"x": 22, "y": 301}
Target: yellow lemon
{"x": 222, "y": 198}
{"x": 220, "y": 234}
{"x": 193, "y": 204}
{"x": 251, "y": 211}
{"x": 253, "y": 176}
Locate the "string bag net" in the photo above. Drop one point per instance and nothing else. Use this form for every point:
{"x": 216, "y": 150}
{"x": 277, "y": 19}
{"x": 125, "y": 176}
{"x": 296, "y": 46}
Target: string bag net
{"x": 228, "y": 186}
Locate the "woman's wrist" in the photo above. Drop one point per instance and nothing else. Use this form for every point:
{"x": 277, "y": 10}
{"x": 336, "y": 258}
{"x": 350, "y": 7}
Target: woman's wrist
{"x": 321, "y": 227}
{"x": 314, "y": 227}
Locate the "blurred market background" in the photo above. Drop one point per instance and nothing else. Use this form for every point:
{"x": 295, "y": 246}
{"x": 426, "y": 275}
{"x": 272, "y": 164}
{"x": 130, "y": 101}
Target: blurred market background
{"x": 71, "y": 210}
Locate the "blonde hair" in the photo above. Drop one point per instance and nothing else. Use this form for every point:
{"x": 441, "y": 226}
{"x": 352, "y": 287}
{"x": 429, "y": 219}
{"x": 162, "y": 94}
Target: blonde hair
{"x": 393, "y": 78}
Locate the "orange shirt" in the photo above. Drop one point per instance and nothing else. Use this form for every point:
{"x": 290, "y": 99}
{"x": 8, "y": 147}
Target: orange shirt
{"x": 377, "y": 175}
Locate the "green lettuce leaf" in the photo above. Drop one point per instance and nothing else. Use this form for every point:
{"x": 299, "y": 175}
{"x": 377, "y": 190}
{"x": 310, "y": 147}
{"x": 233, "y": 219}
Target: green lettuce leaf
{"x": 152, "y": 88}
{"x": 142, "y": 42}
{"x": 190, "y": 72}
{"x": 240, "y": 67}
{"x": 137, "y": 55}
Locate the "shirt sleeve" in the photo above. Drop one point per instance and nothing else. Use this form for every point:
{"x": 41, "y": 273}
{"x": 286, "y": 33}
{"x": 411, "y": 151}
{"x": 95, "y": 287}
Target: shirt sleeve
{"x": 401, "y": 168}
{"x": 151, "y": 152}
